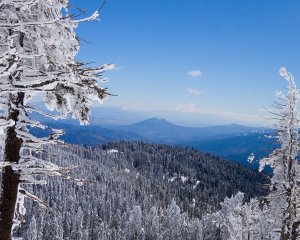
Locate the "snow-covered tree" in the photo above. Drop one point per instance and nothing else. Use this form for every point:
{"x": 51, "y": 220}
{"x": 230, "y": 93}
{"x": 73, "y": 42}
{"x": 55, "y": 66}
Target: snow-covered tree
{"x": 77, "y": 233}
{"x": 152, "y": 224}
{"x": 38, "y": 46}
{"x": 229, "y": 219}
{"x": 134, "y": 227}
{"x": 172, "y": 222}
{"x": 32, "y": 234}
{"x": 197, "y": 229}
{"x": 284, "y": 197}
{"x": 255, "y": 224}
{"x": 53, "y": 230}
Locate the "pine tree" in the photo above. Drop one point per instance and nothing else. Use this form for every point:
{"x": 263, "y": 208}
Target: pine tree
{"x": 77, "y": 231}
{"x": 53, "y": 228}
{"x": 229, "y": 219}
{"x": 38, "y": 46}
{"x": 197, "y": 229}
{"x": 284, "y": 196}
{"x": 172, "y": 222}
{"x": 134, "y": 226}
{"x": 152, "y": 224}
{"x": 254, "y": 220}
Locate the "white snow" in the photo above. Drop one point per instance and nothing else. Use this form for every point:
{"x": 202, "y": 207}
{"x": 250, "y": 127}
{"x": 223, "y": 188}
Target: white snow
{"x": 194, "y": 202}
{"x": 183, "y": 179}
{"x": 111, "y": 151}
{"x": 194, "y": 187}
{"x": 283, "y": 72}
{"x": 251, "y": 158}
{"x": 171, "y": 179}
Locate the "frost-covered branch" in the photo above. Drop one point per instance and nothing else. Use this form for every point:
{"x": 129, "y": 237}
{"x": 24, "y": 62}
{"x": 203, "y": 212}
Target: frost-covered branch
{"x": 284, "y": 196}
{"x": 38, "y": 47}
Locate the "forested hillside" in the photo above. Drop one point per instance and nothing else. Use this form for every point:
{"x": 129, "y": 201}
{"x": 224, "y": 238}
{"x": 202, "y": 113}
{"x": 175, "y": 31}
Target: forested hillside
{"x": 138, "y": 191}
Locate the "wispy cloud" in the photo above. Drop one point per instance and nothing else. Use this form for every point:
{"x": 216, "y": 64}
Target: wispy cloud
{"x": 232, "y": 116}
{"x": 188, "y": 108}
{"x": 194, "y": 91}
{"x": 194, "y": 73}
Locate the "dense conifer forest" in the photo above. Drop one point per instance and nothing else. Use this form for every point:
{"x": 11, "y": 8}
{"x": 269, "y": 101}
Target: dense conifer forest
{"x": 137, "y": 191}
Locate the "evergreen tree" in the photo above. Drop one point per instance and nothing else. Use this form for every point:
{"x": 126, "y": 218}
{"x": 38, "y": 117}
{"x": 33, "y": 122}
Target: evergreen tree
{"x": 229, "y": 219}
{"x": 33, "y": 233}
{"x": 134, "y": 226}
{"x": 77, "y": 233}
{"x": 284, "y": 196}
{"x": 152, "y": 224}
{"x": 53, "y": 228}
{"x": 172, "y": 222}
{"x": 37, "y": 55}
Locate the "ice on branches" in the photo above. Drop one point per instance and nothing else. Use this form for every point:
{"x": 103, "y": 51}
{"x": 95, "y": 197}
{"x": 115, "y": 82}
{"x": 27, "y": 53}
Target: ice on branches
{"x": 38, "y": 48}
{"x": 284, "y": 196}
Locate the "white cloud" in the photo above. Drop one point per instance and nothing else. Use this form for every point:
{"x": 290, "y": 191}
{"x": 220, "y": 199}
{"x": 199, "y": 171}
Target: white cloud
{"x": 194, "y": 73}
{"x": 194, "y": 91}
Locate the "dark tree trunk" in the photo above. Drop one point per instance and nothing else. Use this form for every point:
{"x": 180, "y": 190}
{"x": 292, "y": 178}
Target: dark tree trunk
{"x": 10, "y": 179}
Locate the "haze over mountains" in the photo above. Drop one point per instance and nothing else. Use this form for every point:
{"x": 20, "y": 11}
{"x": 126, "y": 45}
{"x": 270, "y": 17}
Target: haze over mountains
{"x": 107, "y": 116}
{"x": 231, "y": 141}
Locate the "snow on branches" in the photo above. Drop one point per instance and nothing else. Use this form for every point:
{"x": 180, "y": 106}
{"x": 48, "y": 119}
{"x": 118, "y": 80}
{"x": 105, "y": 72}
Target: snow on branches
{"x": 284, "y": 196}
{"x": 38, "y": 46}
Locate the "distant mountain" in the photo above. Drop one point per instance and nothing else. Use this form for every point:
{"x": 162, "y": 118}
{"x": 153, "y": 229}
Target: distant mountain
{"x": 160, "y": 130}
{"x": 233, "y": 141}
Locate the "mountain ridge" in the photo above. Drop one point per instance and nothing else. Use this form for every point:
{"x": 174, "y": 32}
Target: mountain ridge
{"x": 159, "y": 129}
{"x": 239, "y": 140}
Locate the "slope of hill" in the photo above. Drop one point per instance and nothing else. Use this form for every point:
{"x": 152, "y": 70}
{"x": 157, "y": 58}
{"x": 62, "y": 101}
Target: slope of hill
{"x": 132, "y": 179}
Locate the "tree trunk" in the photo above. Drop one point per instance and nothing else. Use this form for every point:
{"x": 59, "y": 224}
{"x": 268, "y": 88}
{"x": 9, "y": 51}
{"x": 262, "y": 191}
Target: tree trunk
{"x": 10, "y": 179}
{"x": 290, "y": 223}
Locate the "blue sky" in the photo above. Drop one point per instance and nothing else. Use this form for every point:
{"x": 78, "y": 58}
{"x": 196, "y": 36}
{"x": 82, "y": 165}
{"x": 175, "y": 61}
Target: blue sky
{"x": 202, "y": 59}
